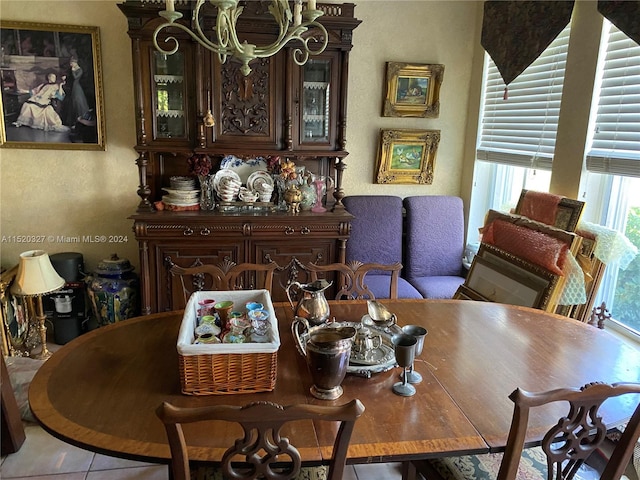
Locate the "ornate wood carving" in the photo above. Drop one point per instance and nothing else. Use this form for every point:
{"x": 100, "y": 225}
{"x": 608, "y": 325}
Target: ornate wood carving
{"x": 245, "y": 100}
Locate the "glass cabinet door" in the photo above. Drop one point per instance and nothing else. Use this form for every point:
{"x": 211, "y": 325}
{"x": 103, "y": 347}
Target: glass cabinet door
{"x": 316, "y": 104}
{"x": 169, "y": 85}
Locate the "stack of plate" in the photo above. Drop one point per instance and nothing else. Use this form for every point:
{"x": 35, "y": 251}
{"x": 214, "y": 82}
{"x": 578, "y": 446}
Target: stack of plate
{"x": 183, "y": 183}
{"x": 183, "y": 192}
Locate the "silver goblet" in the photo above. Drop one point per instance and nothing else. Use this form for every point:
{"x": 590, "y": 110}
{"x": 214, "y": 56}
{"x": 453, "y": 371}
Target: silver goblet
{"x": 404, "y": 348}
{"x": 418, "y": 332}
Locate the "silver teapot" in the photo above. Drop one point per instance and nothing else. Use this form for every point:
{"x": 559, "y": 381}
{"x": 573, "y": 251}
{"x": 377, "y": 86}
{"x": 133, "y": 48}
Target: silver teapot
{"x": 312, "y": 305}
{"x": 366, "y": 342}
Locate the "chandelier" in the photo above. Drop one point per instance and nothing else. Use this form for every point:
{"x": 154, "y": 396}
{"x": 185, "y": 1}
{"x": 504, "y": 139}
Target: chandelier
{"x": 291, "y": 27}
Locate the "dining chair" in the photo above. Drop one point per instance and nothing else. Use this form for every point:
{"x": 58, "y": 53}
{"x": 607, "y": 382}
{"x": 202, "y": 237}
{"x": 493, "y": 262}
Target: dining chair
{"x": 352, "y": 278}
{"x": 262, "y": 452}
{"x": 564, "y": 448}
{"x": 227, "y": 275}
{"x": 376, "y": 237}
{"x": 434, "y": 244}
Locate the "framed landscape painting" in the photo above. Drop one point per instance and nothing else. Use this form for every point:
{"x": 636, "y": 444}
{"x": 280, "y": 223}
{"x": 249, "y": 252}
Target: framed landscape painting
{"x": 413, "y": 90}
{"x": 51, "y": 87}
{"x": 407, "y": 156}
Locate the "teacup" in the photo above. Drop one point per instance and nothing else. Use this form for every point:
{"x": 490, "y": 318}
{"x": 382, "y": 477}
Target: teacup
{"x": 248, "y": 196}
{"x": 207, "y": 338}
{"x": 206, "y": 307}
{"x": 259, "y": 321}
{"x": 207, "y": 328}
{"x": 254, "y": 306}
{"x": 237, "y": 326}
{"x": 223, "y": 309}
{"x": 265, "y": 197}
{"x": 208, "y": 319}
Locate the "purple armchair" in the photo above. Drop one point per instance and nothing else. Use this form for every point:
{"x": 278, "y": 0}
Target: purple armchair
{"x": 376, "y": 237}
{"x": 434, "y": 244}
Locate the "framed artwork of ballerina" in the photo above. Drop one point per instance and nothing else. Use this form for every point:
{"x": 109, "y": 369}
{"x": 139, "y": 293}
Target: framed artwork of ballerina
{"x": 51, "y": 79}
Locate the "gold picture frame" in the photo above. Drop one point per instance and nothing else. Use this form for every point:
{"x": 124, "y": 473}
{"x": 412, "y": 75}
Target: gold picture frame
{"x": 525, "y": 276}
{"x": 51, "y": 87}
{"x": 413, "y": 90}
{"x": 465, "y": 293}
{"x": 407, "y": 156}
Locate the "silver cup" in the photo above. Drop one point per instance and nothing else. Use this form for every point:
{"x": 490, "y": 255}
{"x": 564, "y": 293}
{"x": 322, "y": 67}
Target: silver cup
{"x": 404, "y": 347}
{"x": 419, "y": 333}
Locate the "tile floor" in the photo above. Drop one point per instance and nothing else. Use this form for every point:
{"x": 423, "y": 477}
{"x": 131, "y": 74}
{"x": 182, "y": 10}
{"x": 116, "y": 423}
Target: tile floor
{"x": 43, "y": 457}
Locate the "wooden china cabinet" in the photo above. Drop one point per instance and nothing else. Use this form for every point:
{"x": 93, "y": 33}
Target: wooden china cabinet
{"x": 280, "y": 109}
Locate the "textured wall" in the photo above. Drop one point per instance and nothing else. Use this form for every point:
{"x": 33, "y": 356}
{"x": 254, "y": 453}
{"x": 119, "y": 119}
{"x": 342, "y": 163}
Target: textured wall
{"x": 76, "y": 193}
{"x": 63, "y": 193}
{"x": 441, "y": 32}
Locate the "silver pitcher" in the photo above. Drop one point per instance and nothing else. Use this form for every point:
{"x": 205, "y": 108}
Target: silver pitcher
{"x": 312, "y": 305}
{"x": 327, "y": 351}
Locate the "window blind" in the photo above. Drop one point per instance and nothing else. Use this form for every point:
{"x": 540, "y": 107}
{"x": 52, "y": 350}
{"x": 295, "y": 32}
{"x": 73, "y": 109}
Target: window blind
{"x": 521, "y": 130}
{"x": 615, "y": 148}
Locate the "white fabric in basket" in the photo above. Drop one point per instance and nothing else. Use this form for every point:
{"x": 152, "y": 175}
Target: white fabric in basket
{"x": 186, "y": 336}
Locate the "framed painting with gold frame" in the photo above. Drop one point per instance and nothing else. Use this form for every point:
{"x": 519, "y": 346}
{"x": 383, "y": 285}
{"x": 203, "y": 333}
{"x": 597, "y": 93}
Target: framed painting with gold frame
{"x": 465, "y": 293}
{"x": 51, "y": 87}
{"x": 525, "y": 276}
{"x": 413, "y": 90}
{"x": 407, "y": 156}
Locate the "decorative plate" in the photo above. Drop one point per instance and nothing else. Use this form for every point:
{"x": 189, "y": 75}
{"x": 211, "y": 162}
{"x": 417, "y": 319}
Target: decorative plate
{"x": 222, "y": 173}
{"x": 179, "y": 203}
{"x": 183, "y": 195}
{"x": 243, "y": 167}
{"x": 257, "y": 179}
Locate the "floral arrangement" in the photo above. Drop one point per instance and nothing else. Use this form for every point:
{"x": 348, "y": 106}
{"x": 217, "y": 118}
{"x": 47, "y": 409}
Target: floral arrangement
{"x": 199, "y": 164}
{"x": 285, "y": 169}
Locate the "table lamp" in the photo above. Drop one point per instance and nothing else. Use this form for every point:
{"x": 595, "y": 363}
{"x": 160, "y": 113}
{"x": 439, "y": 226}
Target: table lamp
{"x": 37, "y": 277}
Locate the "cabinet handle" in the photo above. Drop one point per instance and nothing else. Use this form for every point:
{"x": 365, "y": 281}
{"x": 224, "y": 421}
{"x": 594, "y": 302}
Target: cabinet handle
{"x": 305, "y": 230}
{"x": 205, "y": 232}
{"x": 187, "y": 232}
{"x": 289, "y": 231}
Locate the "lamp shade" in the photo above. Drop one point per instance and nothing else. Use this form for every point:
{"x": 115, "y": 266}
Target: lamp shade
{"x": 36, "y": 275}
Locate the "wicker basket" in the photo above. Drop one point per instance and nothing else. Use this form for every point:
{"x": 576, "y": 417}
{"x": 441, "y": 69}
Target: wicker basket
{"x": 220, "y": 369}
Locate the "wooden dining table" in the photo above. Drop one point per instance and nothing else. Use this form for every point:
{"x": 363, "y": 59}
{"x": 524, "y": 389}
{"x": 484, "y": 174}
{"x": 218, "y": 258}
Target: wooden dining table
{"x": 100, "y": 391}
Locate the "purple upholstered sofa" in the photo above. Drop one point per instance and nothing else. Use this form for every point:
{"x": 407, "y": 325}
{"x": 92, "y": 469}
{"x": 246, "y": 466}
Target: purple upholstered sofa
{"x": 376, "y": 237}
{"x": 434, "y": 244}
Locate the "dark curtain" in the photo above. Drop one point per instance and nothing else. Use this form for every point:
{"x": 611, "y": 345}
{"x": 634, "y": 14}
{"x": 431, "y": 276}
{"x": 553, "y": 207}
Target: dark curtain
{"x": 623, "y": 14}
{"x": 515, "y": 33}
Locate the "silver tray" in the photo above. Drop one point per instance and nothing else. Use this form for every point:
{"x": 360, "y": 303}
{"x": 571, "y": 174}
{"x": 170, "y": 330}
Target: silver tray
{"x": 382, "y": 361}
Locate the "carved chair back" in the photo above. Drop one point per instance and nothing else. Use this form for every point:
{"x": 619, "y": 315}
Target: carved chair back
{"x": 225, "y": 276}
{"x": 352, "y": 278}
{"x": 262, "y": 452}
{"x": 580, "y": 432}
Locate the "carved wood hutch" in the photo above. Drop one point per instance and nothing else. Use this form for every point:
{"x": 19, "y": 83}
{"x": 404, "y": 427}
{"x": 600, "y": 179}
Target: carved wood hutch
{"x": 295, "y": 112}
